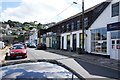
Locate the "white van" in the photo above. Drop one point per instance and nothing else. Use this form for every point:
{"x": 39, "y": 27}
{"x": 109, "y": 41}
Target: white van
{"x": 2, "y": 45}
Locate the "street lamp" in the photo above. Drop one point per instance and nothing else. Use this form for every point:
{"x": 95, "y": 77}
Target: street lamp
{"x": 82, "y": 24}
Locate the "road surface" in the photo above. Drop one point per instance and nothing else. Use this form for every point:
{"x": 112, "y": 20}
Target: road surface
{"x": 85, "y": 69}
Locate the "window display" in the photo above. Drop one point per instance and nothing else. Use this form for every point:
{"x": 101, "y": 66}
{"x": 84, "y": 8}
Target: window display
{"x": 99, "y": 40}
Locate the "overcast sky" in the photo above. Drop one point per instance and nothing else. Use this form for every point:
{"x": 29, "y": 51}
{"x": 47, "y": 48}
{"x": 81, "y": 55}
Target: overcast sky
{"x": 43, "y": 11}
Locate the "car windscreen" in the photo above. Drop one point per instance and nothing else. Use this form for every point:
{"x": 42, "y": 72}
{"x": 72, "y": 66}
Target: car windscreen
{"x": 18, "y": 47}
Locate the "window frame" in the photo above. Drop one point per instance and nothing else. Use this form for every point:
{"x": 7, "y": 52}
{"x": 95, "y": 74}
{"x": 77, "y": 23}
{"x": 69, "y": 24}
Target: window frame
{"x": 115, "y": 9}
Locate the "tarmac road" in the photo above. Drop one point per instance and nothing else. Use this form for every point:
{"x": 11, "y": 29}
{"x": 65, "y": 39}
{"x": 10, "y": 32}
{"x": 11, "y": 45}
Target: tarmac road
{"x": 83, "y": 68}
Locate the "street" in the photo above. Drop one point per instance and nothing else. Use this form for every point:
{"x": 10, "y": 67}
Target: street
{"x": 85, "y": 69}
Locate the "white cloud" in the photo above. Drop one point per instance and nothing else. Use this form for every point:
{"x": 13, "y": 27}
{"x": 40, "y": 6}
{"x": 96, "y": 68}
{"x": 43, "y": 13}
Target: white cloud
{"x": 10, "y": 0}
{"x": 43, "y": 10}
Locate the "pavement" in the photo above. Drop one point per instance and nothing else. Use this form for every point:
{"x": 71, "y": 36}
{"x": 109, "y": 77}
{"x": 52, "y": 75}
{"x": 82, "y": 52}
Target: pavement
{"x": 90, "y": 58}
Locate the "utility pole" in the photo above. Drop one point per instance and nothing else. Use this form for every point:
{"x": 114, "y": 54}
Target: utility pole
{"x": 83, "y": 29}
{"x": 83, "y": 26}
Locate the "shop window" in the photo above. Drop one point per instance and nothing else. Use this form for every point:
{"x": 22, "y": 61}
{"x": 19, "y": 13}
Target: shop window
{"x": 115, "y": 9}
{"x": 99, "y": 40}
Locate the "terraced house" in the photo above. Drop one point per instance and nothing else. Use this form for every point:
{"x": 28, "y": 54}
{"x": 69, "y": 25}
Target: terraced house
{"x": 102, "y": 29}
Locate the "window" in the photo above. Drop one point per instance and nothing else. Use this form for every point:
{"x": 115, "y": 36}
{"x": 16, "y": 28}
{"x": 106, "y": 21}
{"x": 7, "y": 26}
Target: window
{"x": 99, "y": 40}
{"x": 78, "y": 24}
{"x": 63, "y": 29}
{"x": 85, "y": 22}
{"x": 115, "y": 9}
{"x": 67, "y": 26}
{"x": 115, "y": 35}
{"x": 72, "y": 25}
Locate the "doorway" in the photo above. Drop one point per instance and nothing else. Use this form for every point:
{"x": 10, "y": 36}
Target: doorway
{"x": 115, "y": 38}
{"x": 74, "y": 42}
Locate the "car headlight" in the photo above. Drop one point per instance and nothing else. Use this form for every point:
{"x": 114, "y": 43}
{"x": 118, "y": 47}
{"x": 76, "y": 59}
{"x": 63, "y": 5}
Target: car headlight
{"x": 12, "y": 52}
{"x": 24, "y": 51}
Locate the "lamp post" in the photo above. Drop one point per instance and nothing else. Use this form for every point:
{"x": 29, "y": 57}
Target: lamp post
{"x": 82, "y": 24}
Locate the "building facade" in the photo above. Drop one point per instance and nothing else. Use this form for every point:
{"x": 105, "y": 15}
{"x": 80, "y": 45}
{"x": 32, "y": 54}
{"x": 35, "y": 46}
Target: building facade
{"x": 105, "y": 38}
{"x": 102, "y": 29}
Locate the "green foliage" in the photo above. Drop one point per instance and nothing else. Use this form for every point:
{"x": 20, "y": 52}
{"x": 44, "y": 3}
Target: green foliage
{"x": 26, "y": 29}
{"x": 2, "y": 31}
{"x": 14, "y": 33}
{"x": 40, "y": 27}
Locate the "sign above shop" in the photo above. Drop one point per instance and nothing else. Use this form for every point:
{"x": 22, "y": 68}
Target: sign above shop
{"x": 113, "y": 26}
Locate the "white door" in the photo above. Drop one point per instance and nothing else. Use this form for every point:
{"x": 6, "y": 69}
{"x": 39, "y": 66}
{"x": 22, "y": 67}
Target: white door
{"x": 115, "y": 51}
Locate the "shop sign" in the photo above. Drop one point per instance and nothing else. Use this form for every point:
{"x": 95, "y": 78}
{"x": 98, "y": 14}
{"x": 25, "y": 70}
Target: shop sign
{"x": 113, "y": 26}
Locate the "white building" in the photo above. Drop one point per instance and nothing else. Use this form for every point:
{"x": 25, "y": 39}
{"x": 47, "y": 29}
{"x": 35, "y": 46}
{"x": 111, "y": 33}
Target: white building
{"x": 108, "y": 25}
{"x": 102, "y": 36}
{"x": 102, "y": 29}
{"x": 33, "y": 38}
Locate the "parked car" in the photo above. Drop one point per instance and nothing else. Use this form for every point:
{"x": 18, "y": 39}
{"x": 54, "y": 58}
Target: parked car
{"x": 32, "y": 45}
{"x": 41, "y": 46}
{"x": 17, "y": 51}
{"x": 15, "y": 42}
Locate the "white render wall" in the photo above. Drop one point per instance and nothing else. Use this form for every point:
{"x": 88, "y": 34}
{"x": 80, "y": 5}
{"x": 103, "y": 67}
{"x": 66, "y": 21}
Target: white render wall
{"x": 105, "y": 18}
{"x": 33, "y": 37}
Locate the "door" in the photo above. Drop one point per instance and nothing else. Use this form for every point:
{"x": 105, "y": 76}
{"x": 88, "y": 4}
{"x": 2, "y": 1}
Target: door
{"x": 68, "y": 42}
{"x": 74, "y": 42}
{"x": 115, "y": 48}
{"x": 115, "y": 51}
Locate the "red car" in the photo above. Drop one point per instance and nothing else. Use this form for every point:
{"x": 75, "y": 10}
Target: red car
{"x": 17, "y": 51}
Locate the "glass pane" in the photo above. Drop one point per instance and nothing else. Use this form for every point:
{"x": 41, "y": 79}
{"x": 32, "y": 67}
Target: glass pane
{"x": 118, "y": 41}
{"x": 104, "y": 47}
{"x": 93, "y": 34}
{"x": 97, "y": 46}
{"x": 98, "y": 34}
{"x": 118, "y": 35}
{"x": 114, "y": 35}
{"x": 113, "y": 42}
{"x": 93, "y": 46}
{"x": 104, "y": 33}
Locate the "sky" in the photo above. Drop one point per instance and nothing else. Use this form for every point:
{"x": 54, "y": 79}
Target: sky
{"x": 43, "y": 11}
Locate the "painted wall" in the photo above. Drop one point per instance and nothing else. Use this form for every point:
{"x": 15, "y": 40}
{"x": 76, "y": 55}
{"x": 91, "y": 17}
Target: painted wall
{"x": 105, "y": 18}
{"x": 47, "y": 41}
